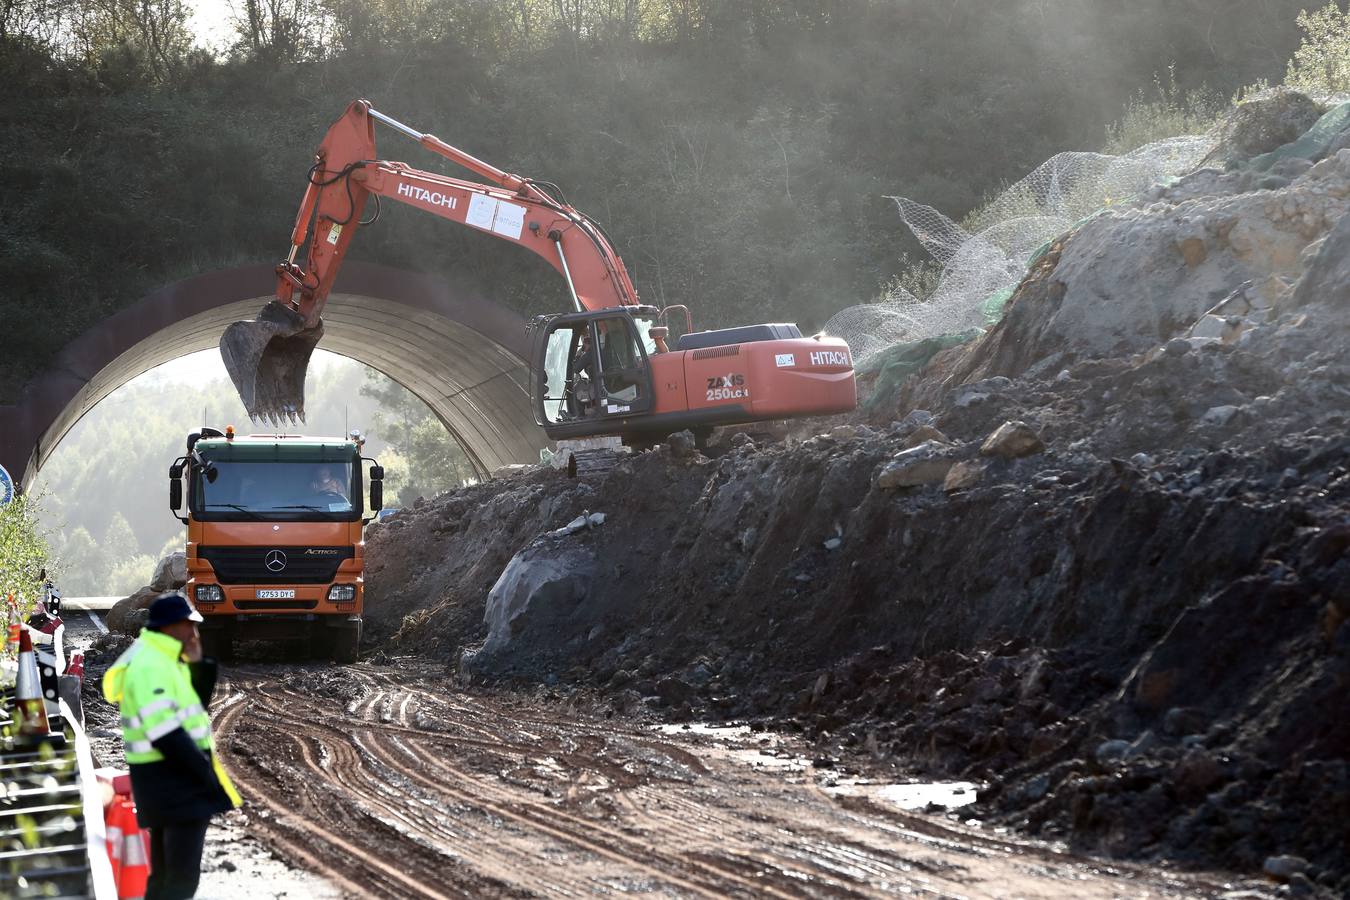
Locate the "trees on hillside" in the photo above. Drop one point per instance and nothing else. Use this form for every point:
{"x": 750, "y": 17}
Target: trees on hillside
{"x": 739, "y": 153}
{"x": 424, "y": 463}
{"x": 23, "y": 552}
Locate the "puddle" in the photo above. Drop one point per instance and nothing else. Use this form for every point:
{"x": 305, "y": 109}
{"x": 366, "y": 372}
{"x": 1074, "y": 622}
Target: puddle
{"x": 767, "y": 750}
{"x": 949, "y": 794}
{"x": 704, "y": 729}
{"x": 758, "y": 749}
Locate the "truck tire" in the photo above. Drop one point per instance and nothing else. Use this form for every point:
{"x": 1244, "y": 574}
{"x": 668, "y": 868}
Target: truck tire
{"x": 346, "y": 642}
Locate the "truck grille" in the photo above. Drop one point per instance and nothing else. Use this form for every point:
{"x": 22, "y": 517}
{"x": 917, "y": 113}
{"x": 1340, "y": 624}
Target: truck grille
{"x": 300, "y": 565}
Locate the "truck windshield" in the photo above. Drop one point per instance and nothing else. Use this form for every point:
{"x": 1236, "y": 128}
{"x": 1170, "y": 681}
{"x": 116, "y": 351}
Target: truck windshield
{"x": 270, "y": 489}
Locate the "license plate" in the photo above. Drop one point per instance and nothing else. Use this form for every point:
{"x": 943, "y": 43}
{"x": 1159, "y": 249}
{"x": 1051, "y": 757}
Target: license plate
{"x": 276, "y": 595}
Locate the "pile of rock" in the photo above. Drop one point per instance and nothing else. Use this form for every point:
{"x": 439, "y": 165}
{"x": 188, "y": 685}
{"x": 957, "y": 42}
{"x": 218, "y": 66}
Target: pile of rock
{"x": 129, "y": 614}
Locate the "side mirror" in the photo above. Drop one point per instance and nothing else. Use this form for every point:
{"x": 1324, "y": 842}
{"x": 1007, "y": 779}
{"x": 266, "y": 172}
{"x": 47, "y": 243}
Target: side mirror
{"x": 175, "y": 488}
{"x": 376, "y": 487}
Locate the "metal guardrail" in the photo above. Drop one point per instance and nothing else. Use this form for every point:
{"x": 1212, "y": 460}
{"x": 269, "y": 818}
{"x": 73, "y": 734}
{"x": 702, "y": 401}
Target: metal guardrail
{"x": 91, "y": 793}
{"x": 52, "y": 840}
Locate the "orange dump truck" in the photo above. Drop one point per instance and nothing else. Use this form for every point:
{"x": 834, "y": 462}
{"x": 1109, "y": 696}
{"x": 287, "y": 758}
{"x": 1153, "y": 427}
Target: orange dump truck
{"x": 275, "y": 537}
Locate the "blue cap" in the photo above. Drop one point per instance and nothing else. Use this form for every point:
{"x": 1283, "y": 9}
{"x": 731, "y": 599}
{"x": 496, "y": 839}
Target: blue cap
{"x": 170, "y": 608}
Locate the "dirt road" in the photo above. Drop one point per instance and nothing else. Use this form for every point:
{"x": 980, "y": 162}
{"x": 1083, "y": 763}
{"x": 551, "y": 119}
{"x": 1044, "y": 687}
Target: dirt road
{"x": 390, "y": 782}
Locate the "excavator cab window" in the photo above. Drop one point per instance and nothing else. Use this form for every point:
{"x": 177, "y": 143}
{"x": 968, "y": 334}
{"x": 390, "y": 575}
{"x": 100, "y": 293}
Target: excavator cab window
{"x": 594, "y": 367}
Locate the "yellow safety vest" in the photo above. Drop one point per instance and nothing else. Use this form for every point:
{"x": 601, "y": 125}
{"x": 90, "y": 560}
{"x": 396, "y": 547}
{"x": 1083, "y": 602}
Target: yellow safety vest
{"x": 153, "y": 687}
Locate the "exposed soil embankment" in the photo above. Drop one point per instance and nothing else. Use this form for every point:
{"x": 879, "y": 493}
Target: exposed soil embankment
{"x": 1126, "y": 616}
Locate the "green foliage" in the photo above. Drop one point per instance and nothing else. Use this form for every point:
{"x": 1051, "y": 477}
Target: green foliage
{"x": 1321, "y": 64}
{"x": 738, "y": 153}
{"x": 422, "y": 462}
{"x": 23, "y": 551}
{"x": 129, "y": 574}
{"x": 919, "y": 277}
{"x": 1165, "y": 111}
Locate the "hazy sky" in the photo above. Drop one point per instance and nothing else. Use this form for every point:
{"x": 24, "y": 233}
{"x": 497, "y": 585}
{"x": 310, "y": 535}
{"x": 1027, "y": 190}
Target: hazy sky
{"x": 211, "y": 22}
{"x": 202, "y": 367}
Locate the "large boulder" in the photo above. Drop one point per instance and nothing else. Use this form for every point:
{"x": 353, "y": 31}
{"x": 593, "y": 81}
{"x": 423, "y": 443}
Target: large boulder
{"x": 1262, "y": 124}
{"x": 129, "y": 614}
{"x": 537, "y": 596}
{"x": 1012, "y": 440}
{"x": 1130, "y": 279}
{"x": 928, "y": 463}
{"x": 1327, "y": 280}
{"x": 171, "y": 573}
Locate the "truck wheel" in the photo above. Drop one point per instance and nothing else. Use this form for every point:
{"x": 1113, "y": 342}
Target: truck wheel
{"x": 346, "y": 643}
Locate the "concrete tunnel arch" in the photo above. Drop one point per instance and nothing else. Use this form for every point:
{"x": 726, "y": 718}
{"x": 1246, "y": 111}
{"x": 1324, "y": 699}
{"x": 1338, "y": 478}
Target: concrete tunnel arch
{"x": 462, "y": 355}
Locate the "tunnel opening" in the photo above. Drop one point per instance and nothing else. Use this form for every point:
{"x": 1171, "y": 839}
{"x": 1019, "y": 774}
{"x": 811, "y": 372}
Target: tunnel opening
{"x": 461, "y": 355}
{"x": 102, "y": 495}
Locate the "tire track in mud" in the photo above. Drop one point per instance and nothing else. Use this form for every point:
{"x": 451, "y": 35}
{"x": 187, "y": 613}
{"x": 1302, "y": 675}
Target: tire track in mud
{"x": 393, "y": 789}
{"x": 368, "y": 783}
{"x": 293, "y": 832}
{"x": 369, "y": 741}
{"x": 606, "y": 842}
{"x": 565, "y": 828}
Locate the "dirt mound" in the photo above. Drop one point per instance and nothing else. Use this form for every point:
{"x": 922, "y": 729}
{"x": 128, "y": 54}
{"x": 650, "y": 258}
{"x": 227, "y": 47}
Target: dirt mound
{"x": 1125, "y": 614}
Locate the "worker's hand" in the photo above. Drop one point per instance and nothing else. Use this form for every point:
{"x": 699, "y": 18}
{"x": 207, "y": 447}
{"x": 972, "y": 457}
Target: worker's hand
{"x": 192, "y": 647}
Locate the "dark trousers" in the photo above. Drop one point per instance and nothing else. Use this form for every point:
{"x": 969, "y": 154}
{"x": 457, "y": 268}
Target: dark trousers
{"x": 175, "y": 860}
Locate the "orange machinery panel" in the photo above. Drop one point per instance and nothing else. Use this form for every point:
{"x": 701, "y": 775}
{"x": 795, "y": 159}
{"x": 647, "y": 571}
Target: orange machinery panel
{"x": 770, "y": 379}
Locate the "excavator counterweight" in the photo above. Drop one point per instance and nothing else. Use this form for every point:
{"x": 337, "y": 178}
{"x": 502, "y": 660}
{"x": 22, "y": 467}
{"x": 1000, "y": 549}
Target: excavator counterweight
{"x": 267, "y": 359}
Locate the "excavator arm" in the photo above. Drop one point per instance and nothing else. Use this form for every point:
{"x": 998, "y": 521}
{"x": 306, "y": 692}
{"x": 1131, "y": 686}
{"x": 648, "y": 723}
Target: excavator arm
{"x": 267, "y": 357}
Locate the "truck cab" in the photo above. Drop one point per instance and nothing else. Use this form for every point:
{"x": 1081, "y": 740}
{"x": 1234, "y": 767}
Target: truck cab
{"x": 275, "y": 537}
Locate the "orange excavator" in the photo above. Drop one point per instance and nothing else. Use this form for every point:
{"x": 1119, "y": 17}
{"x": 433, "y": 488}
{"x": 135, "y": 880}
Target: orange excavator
{"x": 606, "y": 368}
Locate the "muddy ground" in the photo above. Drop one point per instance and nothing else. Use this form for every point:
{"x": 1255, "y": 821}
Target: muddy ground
{"x": 1130, "y": 626}
{"x": 393, "y": 780}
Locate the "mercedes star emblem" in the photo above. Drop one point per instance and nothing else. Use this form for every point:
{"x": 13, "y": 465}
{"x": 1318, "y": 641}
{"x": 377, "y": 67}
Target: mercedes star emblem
{"x": 275, "y": 560}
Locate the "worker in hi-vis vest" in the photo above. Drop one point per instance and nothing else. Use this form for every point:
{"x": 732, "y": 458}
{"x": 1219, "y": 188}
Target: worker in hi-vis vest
{"x": 163, "y": 686}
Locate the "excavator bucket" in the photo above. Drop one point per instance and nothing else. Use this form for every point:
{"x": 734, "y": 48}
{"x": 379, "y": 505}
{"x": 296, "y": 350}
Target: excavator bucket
{"x": 267, "y": 359}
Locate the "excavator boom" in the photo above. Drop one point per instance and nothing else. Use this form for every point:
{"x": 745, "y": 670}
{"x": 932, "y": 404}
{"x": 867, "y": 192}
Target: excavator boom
{"x": 603, "y": 369}
{"x": 267, "y": 357}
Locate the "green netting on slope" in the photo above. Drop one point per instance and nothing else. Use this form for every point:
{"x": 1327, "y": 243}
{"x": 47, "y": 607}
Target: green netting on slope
{"x": 899, "y": 361}
{"x": 1314, "y": 142}
{"x": 993, "y": 305}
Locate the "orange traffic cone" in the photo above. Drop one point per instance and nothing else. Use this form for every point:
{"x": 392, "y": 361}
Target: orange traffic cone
{"x": 128, "y": 848}
{"x": 76, "y": 666}
{"x": 30, "y": 711}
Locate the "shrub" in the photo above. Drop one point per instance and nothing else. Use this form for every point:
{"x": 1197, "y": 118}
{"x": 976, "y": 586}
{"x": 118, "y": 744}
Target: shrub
{"x": 1164, "y": 112}
{"x": 23, "y": 552}
{"x": 1321, "y": 65}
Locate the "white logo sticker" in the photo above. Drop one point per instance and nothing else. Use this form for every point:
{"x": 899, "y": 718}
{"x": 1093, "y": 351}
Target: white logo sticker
{"x": 334, "y": 233}
{"x": 782, "y": 360}
{"x": 829, "y": 358}
{"x": 435, "y": 198}
{"x": 491, "y": 214}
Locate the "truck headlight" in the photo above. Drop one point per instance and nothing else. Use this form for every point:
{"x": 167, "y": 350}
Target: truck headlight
{"x": 209, "y": 593}
{"x": 341, "y": 592}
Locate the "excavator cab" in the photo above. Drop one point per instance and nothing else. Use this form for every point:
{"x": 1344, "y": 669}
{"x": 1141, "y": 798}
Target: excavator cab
{"x": 591, "y": 368}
